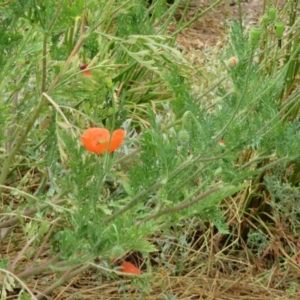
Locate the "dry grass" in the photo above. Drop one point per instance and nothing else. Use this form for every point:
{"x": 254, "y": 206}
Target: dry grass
{"x": 209, "y": 272}
{"x": 185, "y": 287}
{"x": 196, "y": 263}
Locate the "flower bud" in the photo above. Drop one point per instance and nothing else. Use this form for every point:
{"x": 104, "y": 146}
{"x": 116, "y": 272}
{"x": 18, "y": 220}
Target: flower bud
{"x": 186, "y": 119}
{"x": 218, "y": 171}
{"x": 108, "y": 82}
{"x": 279, "y": 29}
{"x": 232, "y": 62}
{"x": 272, "y": 14}
{"x": 254, "y": 36}
{"x": 265, "y": 21}
{"x": 219, "y": 100}
{"x": 183, "y": 136}
{"x": 117, "y": 251}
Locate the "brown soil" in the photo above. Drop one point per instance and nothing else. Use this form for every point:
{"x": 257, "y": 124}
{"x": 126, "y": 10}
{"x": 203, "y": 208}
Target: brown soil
{"x": 210, "y": 29}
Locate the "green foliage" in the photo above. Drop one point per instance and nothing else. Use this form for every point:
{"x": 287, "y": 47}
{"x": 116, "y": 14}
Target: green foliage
{"x": 134, "y": 21}
{"x": 54, "y": 102}
{"x": 284, "y": 201}
{"x": 180, "y": 158}
{"x": 257, "y": 241}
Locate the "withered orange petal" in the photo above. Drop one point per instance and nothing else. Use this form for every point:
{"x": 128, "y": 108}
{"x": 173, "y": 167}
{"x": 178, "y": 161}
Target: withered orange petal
{"x": 87, "y": 73}
{"x": 116, "y": 139}
{"x": 83, "y": 67}
{"x": 96, "y": 139}
{"x": 128, "y": 267}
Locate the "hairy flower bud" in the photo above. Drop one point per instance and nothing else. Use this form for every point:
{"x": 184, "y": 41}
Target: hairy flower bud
{"x": 183, "y": 136}
{"x": 232, "y": 62}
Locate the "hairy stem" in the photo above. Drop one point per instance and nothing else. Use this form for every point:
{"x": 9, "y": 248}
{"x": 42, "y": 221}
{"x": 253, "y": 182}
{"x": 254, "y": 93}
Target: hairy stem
{"x": 13, "y": 221}
{"x": 183, "y": 205}
{"x": 39, "y": 251}
{"x": 66, "y": 276}
{"x": 13, "y": 264}
{"x": 31, "y": 271}
{"x": 156, "y": 186}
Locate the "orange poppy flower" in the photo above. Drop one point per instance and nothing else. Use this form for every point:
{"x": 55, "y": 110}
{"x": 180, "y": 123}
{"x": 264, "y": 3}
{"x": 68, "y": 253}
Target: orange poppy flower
{"x": 86, "y": 72}
{"x": 129, "y": 268}
{"x": 97, "y": 140}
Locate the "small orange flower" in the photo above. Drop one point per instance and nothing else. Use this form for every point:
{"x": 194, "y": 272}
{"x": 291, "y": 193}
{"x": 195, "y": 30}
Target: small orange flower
{"x": 97, "y": 140}
{"x": 129, "y": 268}
{"x": 86, "y": 72}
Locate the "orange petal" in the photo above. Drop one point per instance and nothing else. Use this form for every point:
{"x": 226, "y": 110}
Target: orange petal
{"x": 87, "y": 72}
{"x": 128, "y": 267}
{"x": 116, "y": 139}
{"x": 96, "y": 140}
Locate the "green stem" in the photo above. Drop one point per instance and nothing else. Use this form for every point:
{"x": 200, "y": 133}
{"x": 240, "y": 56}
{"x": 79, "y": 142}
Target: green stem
{"x": 171, "y": 12}
{"x": 293, "y": 67}
{"x": 13, "y": 221}
{"x": 183, "y": 205}
{"x": 274, "y": 66}
{"x": 44, "y": 60}
{"x": 44, "y": 65}
{"x": 67, "y": 276}
{"x": 145, "y": 192}
{"x": 107, "y": 157}
{"x": 240, "y": 15}
{"x": 292, "y": 36}
{"x": 127, "y": 156}
{"x": 198, "y": 125}
{"x": 189, "y": 179}
{"x": 257, "y": 159}
{"x": 59, "y": 7}
{"x": 40, "y": 268}
{"x": 155, "y": 186}
{"x": 134, "y": 201}
{"x": 183, "y": 15}
{"x": 70, "y": 38}
{"x": 220, "y": 134}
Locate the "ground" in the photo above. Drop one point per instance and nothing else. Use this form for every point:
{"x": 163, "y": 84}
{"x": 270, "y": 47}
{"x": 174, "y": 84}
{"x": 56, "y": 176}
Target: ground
{"x": 243, "y": 280}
